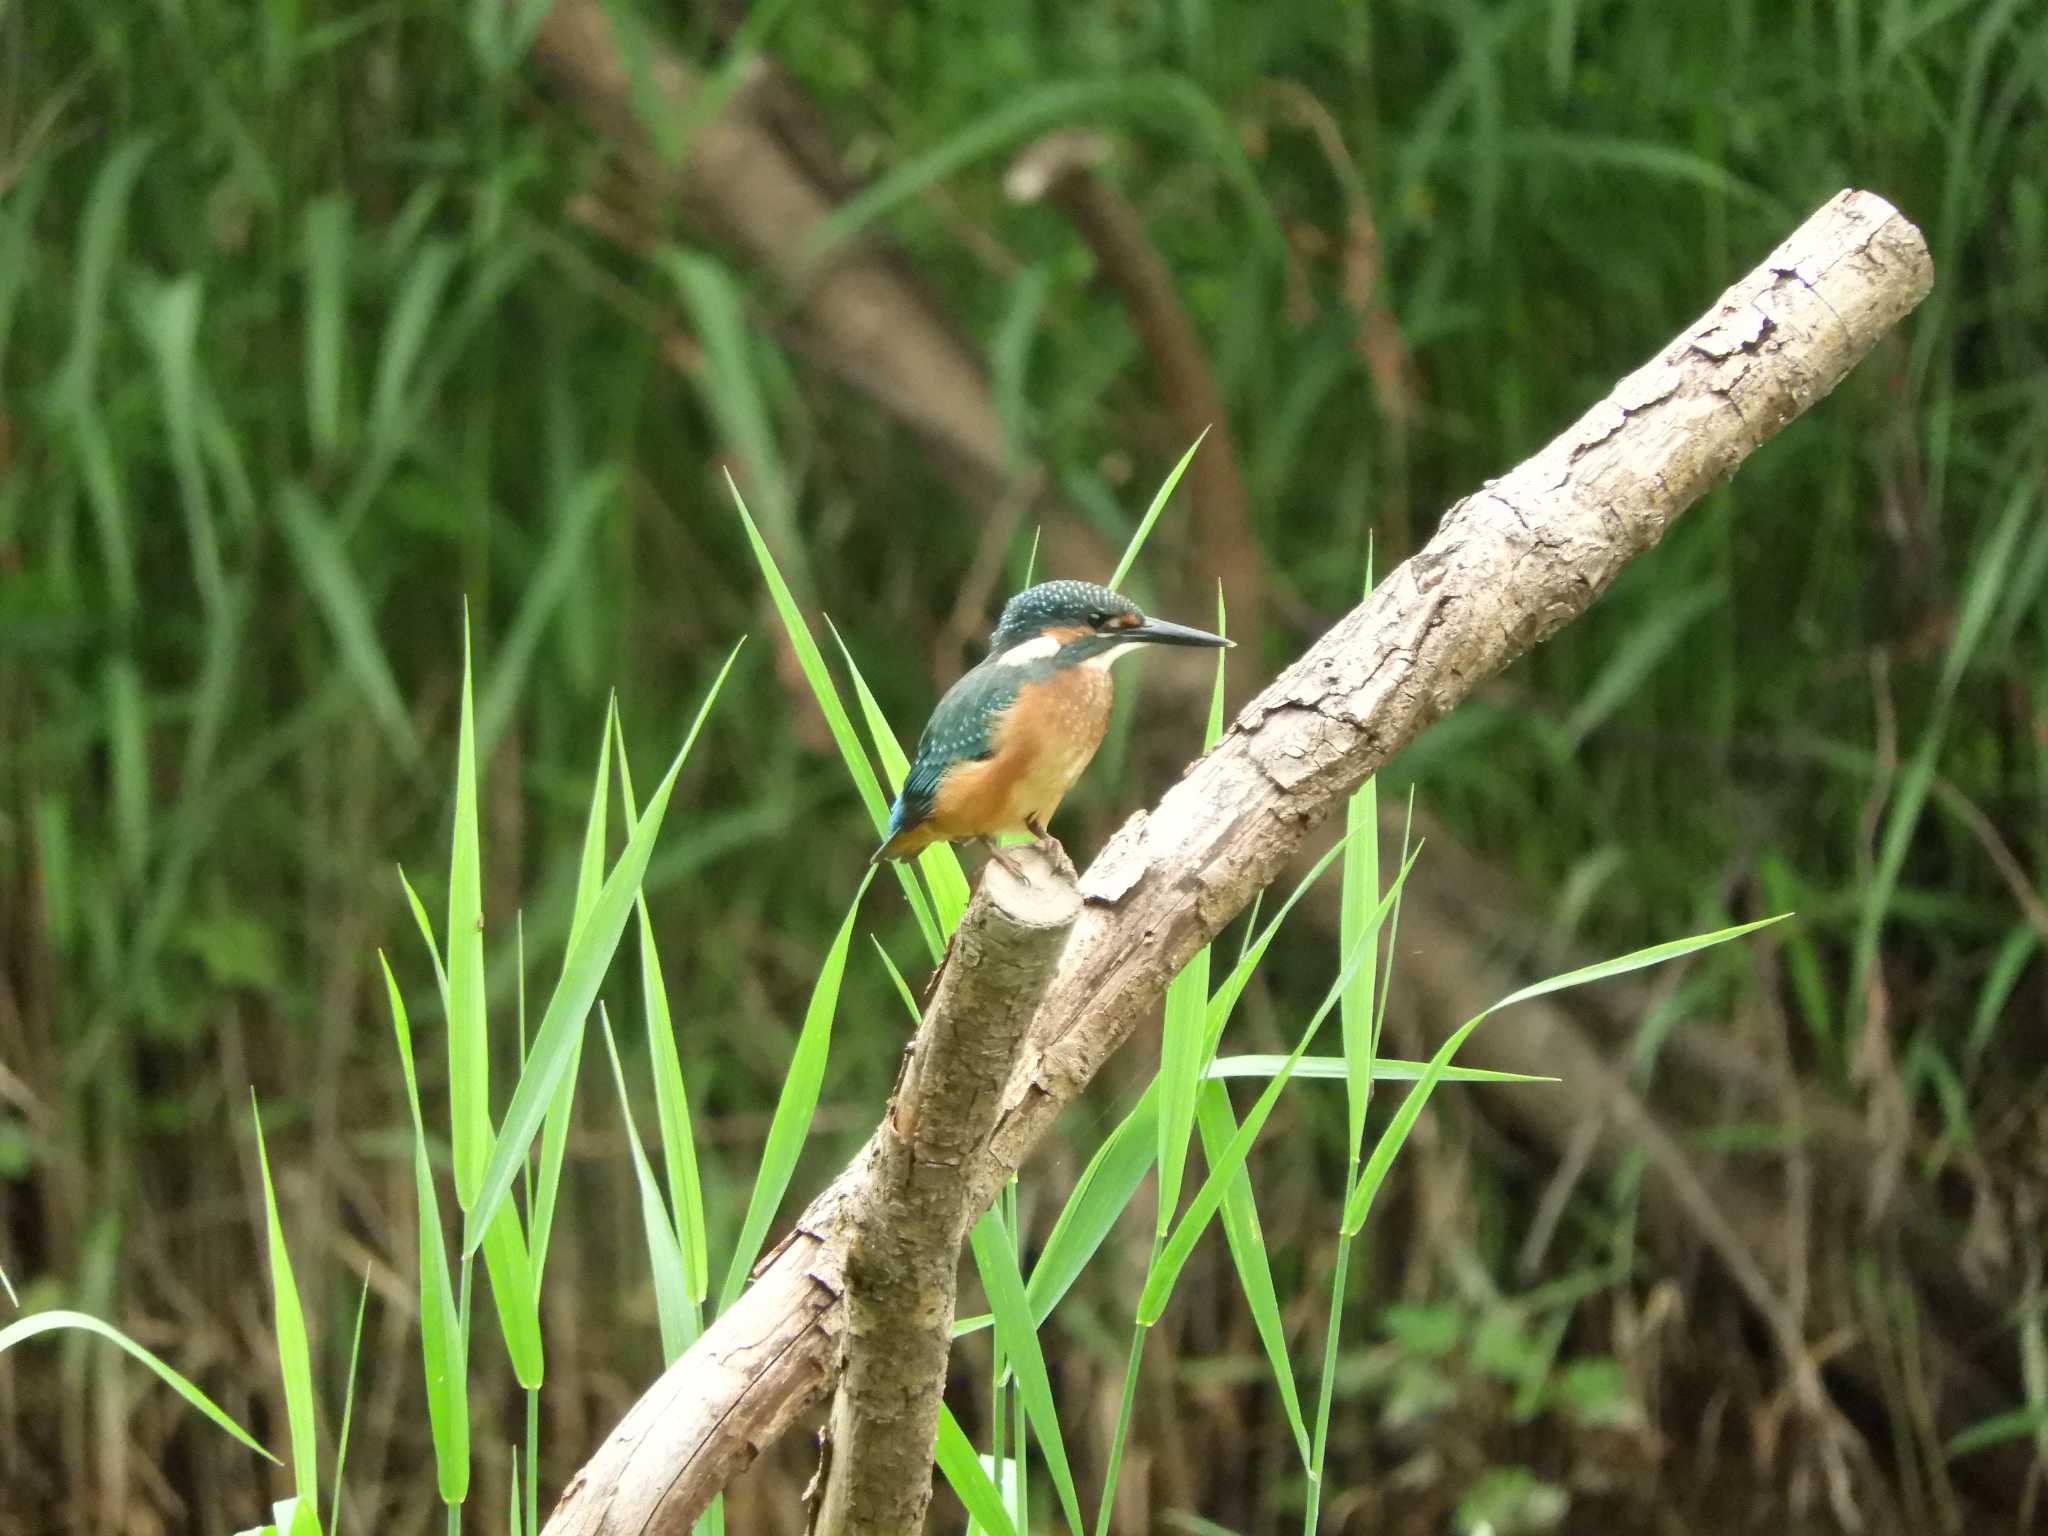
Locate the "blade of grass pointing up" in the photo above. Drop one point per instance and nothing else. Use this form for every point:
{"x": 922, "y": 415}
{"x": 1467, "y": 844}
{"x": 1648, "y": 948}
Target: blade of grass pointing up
{"x": 812, "y": 661}
{"x": 791, "y": 1124}
{"x": 554, "y": 1136}
{"x": 442, "y": 1342}
{"x": 672, "y": 1103}
{"x": 1173, "y": 1257}
{"x": 1181, "y": 1055}
{"x": 968, "y": 1478}
{"x": 1144, "y": 530}
{"x": 469, "y": 1057}
{"x": 1360, "y": 1204}
{"x": 294, "y": 1358}
{"x": 556, "y": 1042}
{"x": 995, "y": 1258}
{"x": 1247, "y": 1241}
{"x": 672, "y": 1304}
{"x": 1110, "y": 1181}
{"x": 469, "y": 1082}
{"x": 348, "y": 1409}
{"x": 939, "y": 863}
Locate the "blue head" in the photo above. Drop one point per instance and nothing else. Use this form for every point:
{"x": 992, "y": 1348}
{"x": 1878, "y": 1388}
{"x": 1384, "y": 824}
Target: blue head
{"x": 1076, "y": 621}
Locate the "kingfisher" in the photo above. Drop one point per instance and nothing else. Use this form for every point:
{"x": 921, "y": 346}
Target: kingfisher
{"x": 1009, "y": 739}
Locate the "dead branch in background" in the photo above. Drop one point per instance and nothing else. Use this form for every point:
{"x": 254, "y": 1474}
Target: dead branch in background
{"x": 1508, "y": 566}
{"x": 1060, "y": 169}
{"x": 762, "y": 182}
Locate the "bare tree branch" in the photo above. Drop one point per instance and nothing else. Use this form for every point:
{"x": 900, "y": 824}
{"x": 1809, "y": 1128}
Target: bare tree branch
{"x": 1060, "y": 169}
{"x": 760, "y": 185}
{"x": 1509, "y": 566}
{"x": 902, "y": 1261}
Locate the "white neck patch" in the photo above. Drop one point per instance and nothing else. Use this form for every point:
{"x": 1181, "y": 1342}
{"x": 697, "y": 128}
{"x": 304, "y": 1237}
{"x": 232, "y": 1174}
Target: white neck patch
{"x": 1037, "y": 648}
{"x": 1101, "y": 663}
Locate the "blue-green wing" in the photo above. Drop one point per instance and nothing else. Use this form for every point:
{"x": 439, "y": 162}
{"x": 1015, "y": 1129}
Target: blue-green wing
{"x": 961, "y": 729}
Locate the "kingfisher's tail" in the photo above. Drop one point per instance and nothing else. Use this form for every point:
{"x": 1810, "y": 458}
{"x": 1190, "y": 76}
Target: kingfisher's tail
{"x": 903, "y": 843}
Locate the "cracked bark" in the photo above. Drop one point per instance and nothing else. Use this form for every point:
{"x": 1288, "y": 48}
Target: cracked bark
{"x": 903, "y": 1256}
{"x": 1509, "y": 565}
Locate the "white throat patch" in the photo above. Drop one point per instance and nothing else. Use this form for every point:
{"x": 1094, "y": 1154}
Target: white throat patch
{"x": 1101, "y": 662}
{"x": 1038, "y": 648}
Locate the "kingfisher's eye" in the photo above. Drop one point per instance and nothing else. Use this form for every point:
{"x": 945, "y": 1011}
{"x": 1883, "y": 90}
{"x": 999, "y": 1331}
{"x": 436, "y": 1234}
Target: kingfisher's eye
{"x": 1098, "y": 618}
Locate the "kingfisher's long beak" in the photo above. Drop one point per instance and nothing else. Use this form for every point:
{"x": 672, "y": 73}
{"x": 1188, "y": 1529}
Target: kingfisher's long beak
{"x": 1160, "y": 632}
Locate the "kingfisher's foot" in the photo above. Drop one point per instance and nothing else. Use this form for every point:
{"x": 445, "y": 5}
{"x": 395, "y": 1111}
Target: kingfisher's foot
{"x": 1001, "y": 856}
{"x": 1048, "y": 845}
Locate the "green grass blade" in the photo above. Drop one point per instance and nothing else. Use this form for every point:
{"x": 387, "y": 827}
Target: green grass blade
{"x": 102, "y": 229}
{"x": 1144, "y": 529}
{"x": 583, "y": 510}
{"x": 554, "y": 1136}
{"x": 1173, "y": 1257}
{"x": 1355, "y": 1013}
{"x": 812, "y": 662}
{"x": 1180, "y": 1074}
{"x": 1247, "y": 1242}
{"x": 1184, "y": 1044}
{"x": 1359, "y": 1205}
{"x": 327, "y": 237}
{"x": 512, "y": 1291}
{"x": 555, "y": 1043}
{"x": 37, "y": 1323}
{"x": 444, "y": 1346}
{"x": 405, "y": 342}
{"x": 995, "y": 1258}
{"x": 168, "y": 317}
{"x": 469, "y": 1046}
{"x": 672, "y": 1107}
{"x": 2018, "y": 1424}
{"x": 671, "y": 1099}
{"x": 968, "y": 1478}
{"x": 1225, "y": 997}
{"x": 294, "y": 1356}
{"x": 596, "y": 826}
{"x": 939, "y": 863}
{"x": 1385, "y": 1069}
{"x": 673, "y": 1307}
{"x": 1102, "y": 1194}
{"x": 426, "y": 927}
{"x": 348, "y": 1409}
{"x": 798, "y": 1101}
{"x": 902, "y": 987}
{"x": 323, "y": 565}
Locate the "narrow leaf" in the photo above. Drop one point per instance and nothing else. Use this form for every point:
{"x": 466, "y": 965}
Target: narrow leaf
{"x": 672, "y": 1304}
{"x": 968, "y": 1478}
{"x": 995, "y": 1258}
{"x": 38, "y": 1323}
{"x": 443, "y": 1344}
{"x": 791, "y": 1124}
{"x": 1391, "y": 1140}
{"x": 294, "y": 1357}
{"x": 1144, "y": 530}
{"x": 812, "y": 662}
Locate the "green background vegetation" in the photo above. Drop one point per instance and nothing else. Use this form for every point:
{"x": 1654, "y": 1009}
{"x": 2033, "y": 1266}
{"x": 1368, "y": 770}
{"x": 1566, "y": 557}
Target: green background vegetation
{"x": 317, "y": 321}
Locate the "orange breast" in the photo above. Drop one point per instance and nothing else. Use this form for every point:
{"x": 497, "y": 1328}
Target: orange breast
{"x": 1044, "y": 743}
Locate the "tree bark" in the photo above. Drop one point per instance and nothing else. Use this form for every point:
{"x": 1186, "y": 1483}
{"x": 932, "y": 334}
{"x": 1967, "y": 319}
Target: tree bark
{"x": 1508, "y": 566}
{"x": 904, "y": 1253}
